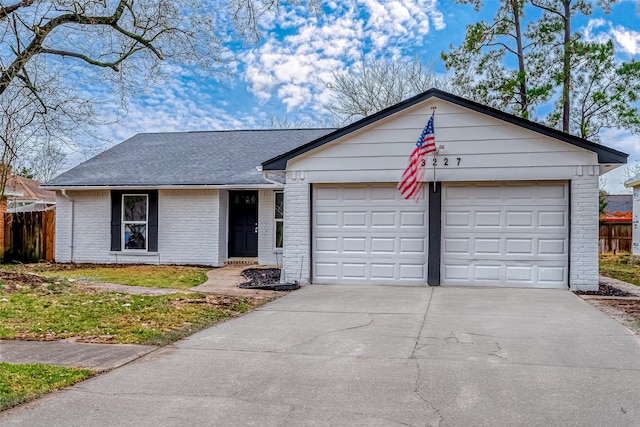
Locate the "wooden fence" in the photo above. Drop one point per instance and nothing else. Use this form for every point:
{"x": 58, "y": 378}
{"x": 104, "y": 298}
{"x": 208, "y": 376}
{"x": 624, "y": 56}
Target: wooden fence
{"x": 615, "y": 237}
{"x": 29, "y": 236}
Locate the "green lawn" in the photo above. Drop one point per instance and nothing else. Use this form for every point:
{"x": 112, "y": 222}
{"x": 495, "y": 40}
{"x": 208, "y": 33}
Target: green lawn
{"x": 620, "y": 267}
{"x": 153, "y": 276}
{"x": 111, "y": 317}
{"x": 21, "y": 383}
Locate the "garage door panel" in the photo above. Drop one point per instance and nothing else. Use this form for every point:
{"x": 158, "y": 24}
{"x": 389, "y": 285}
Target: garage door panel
{"x": 487, "y": 246}
{"x": 327, "y": 244}
{"x": 414, "y": 220}
{"x": 411, "y": 245}
{"x": 457, "y": 219}
{"x": 383, "y": 271}
{"x": 354, "y": 245}
{"x": 519, "y": 247}
{"x": 552, "y": 246}
{"x": 365, "y": 234}
{"x": 552, "y": 219}
{"x": 518, "y": 239}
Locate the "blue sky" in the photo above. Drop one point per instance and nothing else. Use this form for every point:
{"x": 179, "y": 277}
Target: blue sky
{"x": 282, "y": 74}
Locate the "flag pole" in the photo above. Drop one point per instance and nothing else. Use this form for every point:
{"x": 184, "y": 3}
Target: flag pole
{"x": 434, "y": 108}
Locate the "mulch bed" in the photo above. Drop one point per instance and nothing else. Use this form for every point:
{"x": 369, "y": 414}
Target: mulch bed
{"x": 265, "y": 278}
{"x": 606, "y": 290}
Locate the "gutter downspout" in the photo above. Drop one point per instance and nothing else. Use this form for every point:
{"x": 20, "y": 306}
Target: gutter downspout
{"x": 66, "y": 196}
{"x": 264, "y": 176}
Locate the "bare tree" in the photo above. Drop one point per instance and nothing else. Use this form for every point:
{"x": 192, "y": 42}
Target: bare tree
{"x": 371, "y": 86}
{"x": 52, "y": 53}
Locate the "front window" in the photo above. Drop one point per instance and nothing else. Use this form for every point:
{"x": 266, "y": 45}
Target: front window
{"x": 279, "y": 218}
{"x": 134, "y": 220}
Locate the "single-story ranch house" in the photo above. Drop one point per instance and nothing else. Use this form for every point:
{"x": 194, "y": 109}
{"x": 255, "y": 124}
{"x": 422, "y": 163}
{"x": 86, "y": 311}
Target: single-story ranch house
{"x": 505, "y": 202}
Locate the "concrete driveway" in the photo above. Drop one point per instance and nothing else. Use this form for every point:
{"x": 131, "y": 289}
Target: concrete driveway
{"x": 376, "y": 356}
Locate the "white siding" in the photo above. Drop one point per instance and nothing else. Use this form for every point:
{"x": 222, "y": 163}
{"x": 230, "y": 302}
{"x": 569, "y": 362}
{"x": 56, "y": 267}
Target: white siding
{"x": 488, "y": 149}
{"x": 267, "y": 254}
{"x": 188, "y": 226}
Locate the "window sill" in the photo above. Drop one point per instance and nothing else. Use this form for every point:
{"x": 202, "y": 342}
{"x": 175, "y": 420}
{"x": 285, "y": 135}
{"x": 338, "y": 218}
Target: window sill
{"x": 277, "y": 251}
{"x": 133, "y": 253}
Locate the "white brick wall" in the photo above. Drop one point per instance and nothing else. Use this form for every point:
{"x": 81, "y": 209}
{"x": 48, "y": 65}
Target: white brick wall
{"x": 297, "y": 223}
{"x": 188, "y": 226}
{"x": 63, "y": 229}
{"x": 91, "y": 227}
{"x": 188, "y": 229}
{"x": 584, "y": 230}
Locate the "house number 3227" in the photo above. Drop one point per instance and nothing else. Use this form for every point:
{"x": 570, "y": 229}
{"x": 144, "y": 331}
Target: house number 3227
{"x": 446, "y": 161}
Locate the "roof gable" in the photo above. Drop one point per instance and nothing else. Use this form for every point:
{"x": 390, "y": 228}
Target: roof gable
{"x": 605, "y": 154}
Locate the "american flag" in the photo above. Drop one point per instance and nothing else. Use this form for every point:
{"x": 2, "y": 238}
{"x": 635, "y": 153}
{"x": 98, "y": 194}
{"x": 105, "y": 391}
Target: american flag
{"x": 411, "y": 182}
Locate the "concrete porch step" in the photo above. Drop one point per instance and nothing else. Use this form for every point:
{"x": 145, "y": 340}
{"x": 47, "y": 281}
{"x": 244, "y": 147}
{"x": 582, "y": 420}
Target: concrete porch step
{"x": 241, "y": 261}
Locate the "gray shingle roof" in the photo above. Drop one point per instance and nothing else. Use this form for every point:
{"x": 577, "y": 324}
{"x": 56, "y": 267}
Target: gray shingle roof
{"x": 619, "y": 203}
{"x": 187, "y": 158}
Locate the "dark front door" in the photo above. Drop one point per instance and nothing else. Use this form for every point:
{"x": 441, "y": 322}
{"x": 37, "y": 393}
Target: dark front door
{"x": 243, "y": 223}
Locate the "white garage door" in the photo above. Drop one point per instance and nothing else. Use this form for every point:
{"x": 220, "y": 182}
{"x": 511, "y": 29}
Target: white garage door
{"x": 506, "y": 234}
{"x": 368, "y": 234}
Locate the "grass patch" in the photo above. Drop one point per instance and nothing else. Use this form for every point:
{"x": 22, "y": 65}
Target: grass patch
{"x": 620, "y": 267}
{"x": 21, "y": 383}
{"x": 109, "y": 317}
{"x": 151, "y": 276}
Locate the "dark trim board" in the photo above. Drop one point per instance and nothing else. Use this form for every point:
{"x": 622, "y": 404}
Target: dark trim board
{"x": 605, "y": 154}
{"x": 569, "y": 235}
{"x": 435, "y": 233}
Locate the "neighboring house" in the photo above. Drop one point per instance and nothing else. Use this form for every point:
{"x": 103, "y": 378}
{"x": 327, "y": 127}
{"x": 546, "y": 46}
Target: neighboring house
{"x": 618, "y": 208}
{"x": 634, "y": 183}
{"x": 26, "y": 195}
{"x": 615, "y": 223}
{"x": 507, "y": 202}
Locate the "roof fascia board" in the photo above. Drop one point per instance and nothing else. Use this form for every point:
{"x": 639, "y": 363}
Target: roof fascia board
{"x": 633, "y": 182}
{"x": 162, "y": 187}
{"x": 605, "y": 154}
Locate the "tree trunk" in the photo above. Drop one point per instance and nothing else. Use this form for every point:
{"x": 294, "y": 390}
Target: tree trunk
{"x": 522, "y": 76}
{"x": 566, "y": 68}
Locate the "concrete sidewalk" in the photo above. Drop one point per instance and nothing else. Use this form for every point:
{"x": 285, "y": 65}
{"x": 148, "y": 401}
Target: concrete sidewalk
{"x": 99, "y": 357}
{"x": 375, "y": 356}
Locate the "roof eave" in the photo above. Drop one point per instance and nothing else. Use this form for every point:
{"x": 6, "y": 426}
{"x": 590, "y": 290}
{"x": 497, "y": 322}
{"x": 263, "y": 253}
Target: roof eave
{"x": 163, "y": 187}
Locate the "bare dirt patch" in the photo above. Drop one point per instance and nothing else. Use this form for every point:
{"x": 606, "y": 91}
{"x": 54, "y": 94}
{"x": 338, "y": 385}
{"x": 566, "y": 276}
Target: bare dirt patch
{"x": 617, "y": 304}
{"x": 626, "y": 312}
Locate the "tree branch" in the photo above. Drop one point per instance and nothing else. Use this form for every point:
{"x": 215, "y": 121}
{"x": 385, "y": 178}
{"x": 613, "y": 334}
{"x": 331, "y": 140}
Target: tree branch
{"x": 85, "y": 58}
{"x": 7, "y": 10}
{"x": 548, "y": 9}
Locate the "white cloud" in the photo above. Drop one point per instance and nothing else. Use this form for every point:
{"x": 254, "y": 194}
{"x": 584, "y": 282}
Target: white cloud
{"x": 626, "y": 40}
{"x": 293, "y": 66}
{"x": 629, "y": 40}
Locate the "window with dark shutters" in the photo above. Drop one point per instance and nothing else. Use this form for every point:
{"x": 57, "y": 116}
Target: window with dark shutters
{"x": 138, "y": 231}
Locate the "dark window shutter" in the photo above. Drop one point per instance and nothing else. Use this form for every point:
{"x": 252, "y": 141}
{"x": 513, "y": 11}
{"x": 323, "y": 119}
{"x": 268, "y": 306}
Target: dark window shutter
{"x": 116, "y": 220}
{"x": 153, "y": 222}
